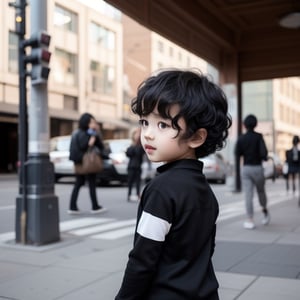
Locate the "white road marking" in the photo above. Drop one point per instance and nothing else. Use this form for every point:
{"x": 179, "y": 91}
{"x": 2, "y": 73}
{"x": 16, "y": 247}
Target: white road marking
{"x": 104, "y": 227}
{"x": 81, "y": 222}
{"x": 111, "y": 229}
{"x": 116, "y": 234}
{"x": 235, "y": 209}
{"x": 8, "y": 207}
{"x": 7, "y": 236}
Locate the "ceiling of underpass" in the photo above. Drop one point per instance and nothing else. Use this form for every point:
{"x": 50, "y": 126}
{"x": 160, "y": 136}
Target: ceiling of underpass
{"x": 249, "y": 31}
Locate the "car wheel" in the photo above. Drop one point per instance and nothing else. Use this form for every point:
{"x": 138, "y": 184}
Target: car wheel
{"x": 56, "y": 178}
{"x": 103, "y": 182}
{"x": 223, "y": 180}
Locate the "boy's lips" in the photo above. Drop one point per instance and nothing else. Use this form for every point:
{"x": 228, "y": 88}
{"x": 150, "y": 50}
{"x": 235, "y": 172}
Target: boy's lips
{"x": 149, "y": 147}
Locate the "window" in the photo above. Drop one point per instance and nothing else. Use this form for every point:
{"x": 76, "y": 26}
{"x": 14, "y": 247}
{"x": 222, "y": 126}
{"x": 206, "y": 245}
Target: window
{"x": 103, "y": 78}
{"x": 102, "y": 36}
{"x": 65, "y": 68}
{"x": 12, "y": 52}
{"x": 104, "y": 8}
{"x": 65, "y": 19}
{"x": 160, "y": 65}
{"x": 70, "y": 102}
{"x": 179, "y": 56}
{"x": 160, "y": 46}
{"x": 188, "y": 61}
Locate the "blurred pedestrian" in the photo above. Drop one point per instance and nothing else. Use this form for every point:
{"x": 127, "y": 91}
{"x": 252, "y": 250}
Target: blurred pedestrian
{"x": 293, "y": 163}
{"x": 251, "y": 146}
{"x": 87, "y": 135}
{"x": 135, "y": 153}
{"x": 183, "y": 116}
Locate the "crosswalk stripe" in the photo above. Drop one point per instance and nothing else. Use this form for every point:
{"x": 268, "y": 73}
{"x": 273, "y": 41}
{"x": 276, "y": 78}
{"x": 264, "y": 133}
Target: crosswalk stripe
{"x": 81, "y": 222}
{"x": 116, "y": 234}
{"x": 104, "y": 227}
{"x": 110, "y": 229}
{"x": 228, "y": 216}
{"x": 8, "y": 207}
{"x": 7, "y": 236}
{"x": 228, "y": 211}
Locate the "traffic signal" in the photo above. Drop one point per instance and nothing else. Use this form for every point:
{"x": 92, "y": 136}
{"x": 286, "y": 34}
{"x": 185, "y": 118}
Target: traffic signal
{"x": 20, "y": 24}
{"x": 39, "y": 57}
{"x": 20, "y": 15}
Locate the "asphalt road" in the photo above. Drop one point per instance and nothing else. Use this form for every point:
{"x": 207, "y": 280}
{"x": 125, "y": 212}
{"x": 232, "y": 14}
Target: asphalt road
{"x": 114, "y": 199}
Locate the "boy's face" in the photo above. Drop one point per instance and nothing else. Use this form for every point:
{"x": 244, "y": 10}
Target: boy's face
{"x": 161, "y": 141}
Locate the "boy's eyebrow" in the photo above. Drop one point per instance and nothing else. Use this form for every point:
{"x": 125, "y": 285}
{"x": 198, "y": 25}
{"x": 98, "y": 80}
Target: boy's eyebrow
{"x": 156, "y": 114}
{"x": 159, "y": 116}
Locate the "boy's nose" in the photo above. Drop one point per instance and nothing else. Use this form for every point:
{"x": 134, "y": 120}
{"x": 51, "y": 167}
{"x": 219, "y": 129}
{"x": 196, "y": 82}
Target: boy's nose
{"x": 148, "y": 133}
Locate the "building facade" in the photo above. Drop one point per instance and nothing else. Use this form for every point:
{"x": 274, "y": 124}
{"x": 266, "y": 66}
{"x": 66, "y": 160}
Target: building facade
{"x": 145, "y": 53}
{"x": 86, "y": 71}
{"x": 276, "y": 103}
{"x": 99, "y": 58}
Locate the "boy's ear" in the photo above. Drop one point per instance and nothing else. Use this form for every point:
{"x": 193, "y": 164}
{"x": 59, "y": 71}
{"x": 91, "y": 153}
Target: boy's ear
{"x": 198, "y": 138}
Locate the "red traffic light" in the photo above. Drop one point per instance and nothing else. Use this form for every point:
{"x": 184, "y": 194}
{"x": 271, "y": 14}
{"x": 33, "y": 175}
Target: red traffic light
{"x": 45, "y": 55}
{"x": 45, "y": 39}
{"x": 37, "y": 40}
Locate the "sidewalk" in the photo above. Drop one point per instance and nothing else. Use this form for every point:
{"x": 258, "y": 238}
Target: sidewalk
{"x": 263, "y": 263}
{"x": 255, "y": 264}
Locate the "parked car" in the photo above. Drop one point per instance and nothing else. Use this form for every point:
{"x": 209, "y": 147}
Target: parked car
{"x": 117, "y": 169}
{"x": 114, "y": 167}
{"x": 278, "y": 164}
{"x": 117, "y": 154}
{"x": 214, "y": 167}
{"x": 59, "y": 156}
{"x": 273, "y": 166}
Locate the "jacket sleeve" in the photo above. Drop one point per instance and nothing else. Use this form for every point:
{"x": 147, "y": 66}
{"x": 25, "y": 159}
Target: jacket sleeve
{"x": 104, "y": 153}
{"x": 77, "y": 146}
{"x": 144, "y": 257}
{"x": 83, "y": 140}
{"x": 130, "y": 152}
{"x": 140, "y": 269}
{"x": 263, "y": 151}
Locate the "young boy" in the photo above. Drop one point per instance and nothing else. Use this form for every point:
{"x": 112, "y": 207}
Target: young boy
{"x": 183, "y": 117}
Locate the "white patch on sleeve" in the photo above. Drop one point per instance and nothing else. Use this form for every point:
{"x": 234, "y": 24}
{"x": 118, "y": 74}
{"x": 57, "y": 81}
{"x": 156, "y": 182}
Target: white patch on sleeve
{"x": 152, "y": 227}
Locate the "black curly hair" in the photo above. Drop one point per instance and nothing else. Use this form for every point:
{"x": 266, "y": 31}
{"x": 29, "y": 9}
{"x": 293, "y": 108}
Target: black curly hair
{"x": 202, "y": 104}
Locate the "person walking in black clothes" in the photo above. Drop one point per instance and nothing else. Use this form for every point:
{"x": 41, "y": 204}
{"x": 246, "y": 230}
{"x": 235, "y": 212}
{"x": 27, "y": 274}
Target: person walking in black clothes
{"x": 251, "y": 146}
{"x": 293, "y": 161}
{"x": 183, "y": 117}
{"x": 135, "y": 153}
{"x": 85, "y": 136}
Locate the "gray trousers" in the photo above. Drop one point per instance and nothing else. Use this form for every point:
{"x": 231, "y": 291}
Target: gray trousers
{"x": 253, "y": 176}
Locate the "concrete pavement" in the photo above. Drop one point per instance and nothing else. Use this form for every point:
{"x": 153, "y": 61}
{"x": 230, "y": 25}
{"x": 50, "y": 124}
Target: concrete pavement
{"x": 255, "y": 264}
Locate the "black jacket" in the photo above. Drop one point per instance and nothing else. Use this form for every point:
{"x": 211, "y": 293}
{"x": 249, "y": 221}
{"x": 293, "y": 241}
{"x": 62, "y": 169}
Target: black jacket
{"x": 135, "y": 153}
{"x": 80, "y": 143}
{"x": 252, "y": 147}
{"x": 174, "y": 239}
{"x": 293, "y": 160}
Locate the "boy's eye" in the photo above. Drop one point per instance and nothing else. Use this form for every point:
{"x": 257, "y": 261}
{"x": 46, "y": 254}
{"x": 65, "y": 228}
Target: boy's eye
{"x": 143, "y": 122}
{"x": 162, "y": 125}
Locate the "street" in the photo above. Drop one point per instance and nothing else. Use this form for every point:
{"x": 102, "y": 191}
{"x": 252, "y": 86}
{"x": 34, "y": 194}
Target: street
{"x": 89, "y": 260}
{"x": 120, "y": 216}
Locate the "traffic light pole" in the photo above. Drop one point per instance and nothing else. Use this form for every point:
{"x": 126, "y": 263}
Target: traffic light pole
{"x": 23, "y": 131}
{"x": 20, "y": 7}
{"x": 40, "y": 205}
